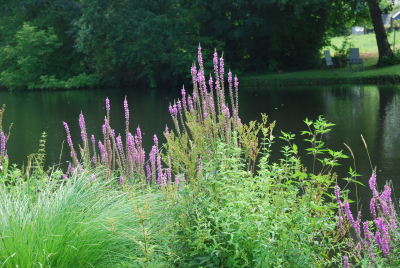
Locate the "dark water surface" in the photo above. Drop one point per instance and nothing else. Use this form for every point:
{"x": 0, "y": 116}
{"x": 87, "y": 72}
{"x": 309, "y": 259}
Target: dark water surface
{"x": 373, "y": 111}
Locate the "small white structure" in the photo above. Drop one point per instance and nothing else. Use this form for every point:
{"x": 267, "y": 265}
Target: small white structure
{"x": 357, "y": 30}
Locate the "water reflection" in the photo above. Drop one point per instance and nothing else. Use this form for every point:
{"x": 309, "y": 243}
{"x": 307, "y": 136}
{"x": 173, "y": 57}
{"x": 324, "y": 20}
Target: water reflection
{"x": 372, "y": 111}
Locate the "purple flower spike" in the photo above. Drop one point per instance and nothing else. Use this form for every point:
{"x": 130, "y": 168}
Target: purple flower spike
{"x": 69, "y": 140}
{"x": 221, "y": 69}
{"x": 382, "y": 236}
{"x": 148, "y": 173}
{"x": 346, "y": 262}
{"x": 107, "y": 104}
{"x": 166, "y": 131}
{"x": 83, "y": 128}
{"x": 184, "y": 99}
{"x": 179, "y": 105}
{"x": 190, "y": 103}
{"x": 126, "y": 109}
{"x": 121, "y": 181}
{"x": 176, "y": 180}
{"x": 348, "y": 212}
{"x": 236, "y": 84}
{"x": 3, "y": 145}
{"x": 155, "y": 140}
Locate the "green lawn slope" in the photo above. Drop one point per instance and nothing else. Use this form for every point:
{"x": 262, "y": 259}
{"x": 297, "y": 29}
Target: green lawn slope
{"x": 372, "y": 74}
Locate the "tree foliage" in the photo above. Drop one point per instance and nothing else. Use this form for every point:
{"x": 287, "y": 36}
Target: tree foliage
{"x": 130, "y": 42}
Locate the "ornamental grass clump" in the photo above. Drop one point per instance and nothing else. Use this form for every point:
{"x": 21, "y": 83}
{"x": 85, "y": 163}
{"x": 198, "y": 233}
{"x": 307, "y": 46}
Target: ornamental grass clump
{"x": 80, "y": 223}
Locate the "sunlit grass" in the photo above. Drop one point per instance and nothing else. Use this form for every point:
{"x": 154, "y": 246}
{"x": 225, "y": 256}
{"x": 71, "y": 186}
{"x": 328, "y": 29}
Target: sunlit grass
{"x": 366, "y": 43}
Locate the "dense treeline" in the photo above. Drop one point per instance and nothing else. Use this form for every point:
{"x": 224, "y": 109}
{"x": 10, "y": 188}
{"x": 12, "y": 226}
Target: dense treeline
{"x": 75, "y": 43}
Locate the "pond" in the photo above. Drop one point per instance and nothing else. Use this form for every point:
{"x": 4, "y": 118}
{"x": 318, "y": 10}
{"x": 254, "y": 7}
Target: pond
{"x": 373, "y": 111}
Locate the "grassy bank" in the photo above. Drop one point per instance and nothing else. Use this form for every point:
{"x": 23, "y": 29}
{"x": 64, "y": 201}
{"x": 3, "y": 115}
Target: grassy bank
{"x": 372, "y": 74}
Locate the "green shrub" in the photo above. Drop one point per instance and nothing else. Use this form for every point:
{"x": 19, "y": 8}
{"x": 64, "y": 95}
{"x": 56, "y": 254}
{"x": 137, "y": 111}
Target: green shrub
{"x": 228, "y": 217}
{"x": 28, "y": 58}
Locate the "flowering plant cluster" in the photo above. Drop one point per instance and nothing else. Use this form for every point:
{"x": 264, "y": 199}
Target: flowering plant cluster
{"x": 3, "y": 140}
{"x": 372, "y": 248}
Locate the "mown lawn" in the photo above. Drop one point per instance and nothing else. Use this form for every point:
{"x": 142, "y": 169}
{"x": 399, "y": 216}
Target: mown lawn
{"x": 372, "y": 73}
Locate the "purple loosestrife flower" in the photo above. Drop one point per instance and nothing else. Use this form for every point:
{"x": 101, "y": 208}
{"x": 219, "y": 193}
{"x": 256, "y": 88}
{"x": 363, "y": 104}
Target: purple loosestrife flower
{"x": 69, "y": 140}
{"x": 83, "y": 128}
{"x": 210, "y": 83}
{"x": 93, "y": 177}
{"x": 221, "y": 70}
{"x": 384, "y": 236}
{"x": 166, "y": 131}
{"x": 368, "y": 239}
{"x": 375, "y": 196}
{"x": 190, "y": 103}
{"x": 177, "y": 181}
{"x": 126, "y": 108}
{"x": 372, "y": 207}
{"x": 348, "y": 212}
{"x": 236, "y": 84}
{"x": 148, "y": 173}
{"x": 179, "y": 105}
{"x": 104, "y": 129}
{"x": 153, "y": 156}
{"x": 3, "y": 145}
{"x": 121, "y": 180}
{"x": 103, "y": 152}
{"x": 112, "y": 132}
{"x": 93, "y": 140}
{"x": 227, "y": 113}
{"x": 159, "y": 170}
{"x": 119, "y": 144}
{"x": 230, "y": 87}
{"x": 184, "y": 99}
{"x": 155, "y": 140}
{"x": 358, "y": 250}
{"x": 194, "y": 97}
{"x": 200, "y": 57}
{"x": 131, "y": 143}
{"x": 139, "y": 136}
{"x": 65, "y": 177}
{"x": 341, "y": 214}
{"x": 107, "y": 105}
{"x": 345, "y": 262}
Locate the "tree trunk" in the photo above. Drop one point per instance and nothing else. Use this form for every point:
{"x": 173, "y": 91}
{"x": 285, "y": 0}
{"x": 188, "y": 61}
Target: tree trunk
{"x": 380, "y": 32}
{"x": 321, "y": 28}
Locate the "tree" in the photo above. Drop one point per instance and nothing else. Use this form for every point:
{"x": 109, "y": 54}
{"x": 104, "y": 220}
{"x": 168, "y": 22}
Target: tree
{"x": 24, "y": 62}
{"x": 132, "y": 40}
{"x": 380, "y": 32}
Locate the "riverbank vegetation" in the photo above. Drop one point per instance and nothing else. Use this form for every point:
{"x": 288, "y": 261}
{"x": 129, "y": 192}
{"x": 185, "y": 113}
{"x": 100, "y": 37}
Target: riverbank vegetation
{"x": 208, "y": 197}
{"x": 62, "y": 44}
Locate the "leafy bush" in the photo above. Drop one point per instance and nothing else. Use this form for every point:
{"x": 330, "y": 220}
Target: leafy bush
{"x": 391, "y": 60}
{"x": 25, "y": 61}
